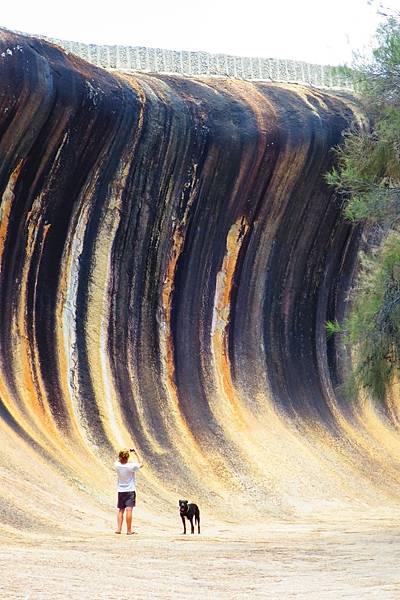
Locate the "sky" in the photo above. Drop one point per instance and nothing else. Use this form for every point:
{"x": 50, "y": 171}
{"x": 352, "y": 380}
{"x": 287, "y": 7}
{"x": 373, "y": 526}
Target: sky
{"x": 318, "y": 31}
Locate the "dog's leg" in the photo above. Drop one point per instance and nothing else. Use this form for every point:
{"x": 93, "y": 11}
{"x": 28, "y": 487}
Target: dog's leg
{"x": 191, "y": 524}
{"x": 198, "y": 520}
{"x": 184, "y": 524}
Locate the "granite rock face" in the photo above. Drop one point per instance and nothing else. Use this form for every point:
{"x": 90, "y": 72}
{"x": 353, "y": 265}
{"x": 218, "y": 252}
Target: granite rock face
{"x": 169, "y": 254}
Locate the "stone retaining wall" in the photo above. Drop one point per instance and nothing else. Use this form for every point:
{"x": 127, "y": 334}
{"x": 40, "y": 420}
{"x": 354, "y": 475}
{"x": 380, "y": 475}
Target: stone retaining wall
{"x": 157, "y": 60}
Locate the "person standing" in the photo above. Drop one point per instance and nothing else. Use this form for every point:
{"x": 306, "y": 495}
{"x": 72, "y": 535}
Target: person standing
{"x": 126, "y": 487}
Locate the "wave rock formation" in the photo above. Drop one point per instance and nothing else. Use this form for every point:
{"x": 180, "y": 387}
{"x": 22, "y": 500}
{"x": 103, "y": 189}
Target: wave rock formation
{"x": 169, "y": 254}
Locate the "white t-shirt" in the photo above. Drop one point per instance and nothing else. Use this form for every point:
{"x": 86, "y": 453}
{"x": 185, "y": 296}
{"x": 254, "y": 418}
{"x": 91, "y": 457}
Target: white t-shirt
{"x": 126, "y": 476}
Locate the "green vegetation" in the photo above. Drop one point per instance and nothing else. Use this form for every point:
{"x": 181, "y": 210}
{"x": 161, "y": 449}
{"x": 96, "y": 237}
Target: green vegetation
{"x": 368, "y": 175}
{"x": 333, "y": 327}
{"x": 373, "y": 326}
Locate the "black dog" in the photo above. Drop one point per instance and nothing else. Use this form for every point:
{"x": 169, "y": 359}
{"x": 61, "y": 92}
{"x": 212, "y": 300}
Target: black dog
{"x": 189, "y": 511}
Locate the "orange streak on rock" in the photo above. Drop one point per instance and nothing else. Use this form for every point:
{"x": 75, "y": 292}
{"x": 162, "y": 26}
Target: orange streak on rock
{"x": 223, "y": 293}
{"x": 188, "y": 446}
{"x": 25, "y": 355}
{"x": 169, "y": 365}
{"x": 6, "y": 204}
{"x": 5, "y": 207}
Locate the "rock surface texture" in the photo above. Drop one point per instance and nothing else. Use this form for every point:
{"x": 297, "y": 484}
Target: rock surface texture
{"x": 169, "y": 254}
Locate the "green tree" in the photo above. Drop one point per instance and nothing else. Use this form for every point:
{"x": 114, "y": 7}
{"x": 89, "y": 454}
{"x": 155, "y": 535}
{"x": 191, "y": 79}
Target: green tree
{"x": 368, "y": 175}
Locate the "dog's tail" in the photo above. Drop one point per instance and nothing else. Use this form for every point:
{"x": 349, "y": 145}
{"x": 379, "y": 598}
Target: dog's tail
{"x": 197, "y": 518}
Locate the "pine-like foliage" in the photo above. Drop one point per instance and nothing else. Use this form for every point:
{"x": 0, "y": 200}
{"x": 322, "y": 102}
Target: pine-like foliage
{"x": 373, "y": 325}
{"x": 368, "y": 175}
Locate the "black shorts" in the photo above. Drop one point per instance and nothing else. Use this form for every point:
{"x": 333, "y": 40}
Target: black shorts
{"x": 126, "y": 499}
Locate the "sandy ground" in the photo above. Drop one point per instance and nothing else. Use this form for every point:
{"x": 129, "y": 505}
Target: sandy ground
{"x": 57, "y": 538}
{"x": 350, "y": 559}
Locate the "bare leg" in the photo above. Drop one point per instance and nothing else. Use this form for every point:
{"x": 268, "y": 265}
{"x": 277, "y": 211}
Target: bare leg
{"x": 129, "y": 520}
{"x": 120, "y": 518}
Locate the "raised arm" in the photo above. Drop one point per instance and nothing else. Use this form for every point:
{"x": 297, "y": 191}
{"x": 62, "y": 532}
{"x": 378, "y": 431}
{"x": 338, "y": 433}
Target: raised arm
{"x": 139, "y": 458}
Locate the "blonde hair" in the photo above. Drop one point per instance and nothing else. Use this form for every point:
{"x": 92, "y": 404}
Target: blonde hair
{"x": 123, "y": 454}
